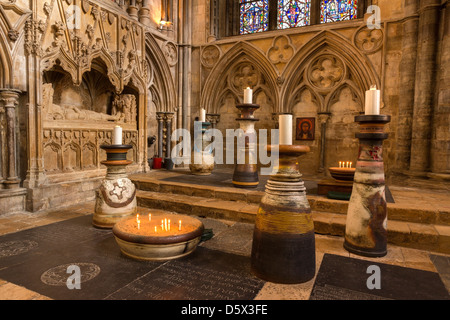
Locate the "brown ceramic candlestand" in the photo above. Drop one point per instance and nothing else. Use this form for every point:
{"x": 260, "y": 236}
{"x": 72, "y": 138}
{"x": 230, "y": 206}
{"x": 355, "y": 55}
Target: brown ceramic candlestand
{"x": 246, "y": 173}
{"x": 116, "y": 196}
{"x": 366, "y": 231}
{"x": 283, "y": 248}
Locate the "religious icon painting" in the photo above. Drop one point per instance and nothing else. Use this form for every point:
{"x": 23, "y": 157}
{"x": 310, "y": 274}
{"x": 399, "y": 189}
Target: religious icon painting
{"x": 305, "y": 128}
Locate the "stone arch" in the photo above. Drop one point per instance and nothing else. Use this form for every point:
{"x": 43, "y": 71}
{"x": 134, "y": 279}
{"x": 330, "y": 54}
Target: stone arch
{"x": 159, "y": 77}
{"x": 6, "y": 76}
{"x": 356, "y": 66}
{"x": 241, "y": 52}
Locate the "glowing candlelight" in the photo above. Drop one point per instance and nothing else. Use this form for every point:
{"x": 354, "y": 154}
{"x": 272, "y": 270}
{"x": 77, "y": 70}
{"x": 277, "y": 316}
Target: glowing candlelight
{"x": 149, "y": 217}
{"x": 168, "y": 224}
{"x": 162, "y": 224}
{"x": 156, "y": 229}
{"x": 165, "y": 224}
{"x": 351, "y": 164}
{"x": 179, "y": 225}
{"x": 347, "y": 164}
{"x": 340, "y": 164}
{"x": 137, "y": 217}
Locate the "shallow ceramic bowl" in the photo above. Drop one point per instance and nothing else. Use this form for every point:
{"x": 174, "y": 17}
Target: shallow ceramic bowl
{"x": 147, "y": 244}
{"x": 342, "y": 174}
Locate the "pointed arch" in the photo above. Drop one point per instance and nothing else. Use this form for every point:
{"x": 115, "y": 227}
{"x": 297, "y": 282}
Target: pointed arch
{"x": 6, "y": 77}
{"x": 358, "y": 67}
{"x": 159, "y": 76}
{"x": 213, "y": 90}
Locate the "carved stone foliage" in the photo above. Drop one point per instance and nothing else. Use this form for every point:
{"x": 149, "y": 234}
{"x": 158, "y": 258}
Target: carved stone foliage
{"x": 73, "y": 38}
{"x": 71, "y": 150}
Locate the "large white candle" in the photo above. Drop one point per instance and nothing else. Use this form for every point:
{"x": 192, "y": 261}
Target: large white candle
{"x": 117, "y": 138}
{"x": 248, "y": 95}
{"x": 285, "y": 129}
{"x": 372, "y": 105}
{"x": 203, "y": 115}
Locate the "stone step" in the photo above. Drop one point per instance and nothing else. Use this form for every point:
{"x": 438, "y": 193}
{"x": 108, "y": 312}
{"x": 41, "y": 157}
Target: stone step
{"x": 396, "y": 211}
{"x": 407, "y": 234}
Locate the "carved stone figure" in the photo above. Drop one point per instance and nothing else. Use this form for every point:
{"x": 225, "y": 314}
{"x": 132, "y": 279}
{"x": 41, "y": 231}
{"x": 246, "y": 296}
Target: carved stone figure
{"x": 53, "y": 111}
{"x": 124, "y": 108}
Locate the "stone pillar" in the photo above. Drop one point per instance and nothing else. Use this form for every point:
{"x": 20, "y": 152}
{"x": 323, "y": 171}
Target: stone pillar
{"x": 168, "y": 125}
{"x": 323, "y": 120}
{"x": 9, "y": 99}
{"x": 144, "y": 13}
{"x": 425, "y": 86}
{"x": 407, "y": 86}
{"x": 440, "y": 142}
{"x": 160, "y": 118}
{"x": 2, "y": 146}
{"x": 133, "y": 9}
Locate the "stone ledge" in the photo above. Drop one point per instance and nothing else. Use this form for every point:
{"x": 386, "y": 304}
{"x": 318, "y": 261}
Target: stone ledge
{"x": 430, "y": 237}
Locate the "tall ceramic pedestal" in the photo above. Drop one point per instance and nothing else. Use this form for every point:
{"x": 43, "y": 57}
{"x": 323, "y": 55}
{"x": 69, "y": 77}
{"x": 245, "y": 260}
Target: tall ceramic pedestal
{"x": 283, "y": 248}
{"x": 246, "y": 170}
{"x": 366, "y": 226}
{"x": 116, "y": 196}
{"x": 202, "y": 160}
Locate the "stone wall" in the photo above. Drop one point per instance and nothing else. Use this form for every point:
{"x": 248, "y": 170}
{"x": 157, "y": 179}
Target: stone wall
{"x": 322, "y": 72}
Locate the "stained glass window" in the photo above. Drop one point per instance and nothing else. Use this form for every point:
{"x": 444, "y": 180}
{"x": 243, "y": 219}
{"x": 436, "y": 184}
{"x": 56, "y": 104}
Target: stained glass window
{"x": 254, "y": 16}
{"x": 293, "y": 13}
{"x": 337, "y": 10}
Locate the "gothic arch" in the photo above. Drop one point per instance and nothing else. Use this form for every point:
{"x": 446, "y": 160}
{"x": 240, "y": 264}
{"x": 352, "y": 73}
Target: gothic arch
{"x": 5, "y": 61}
{"x": 356, "y": 67}
{"x": 242, "y": 52}
{"x": 159, "y": 77}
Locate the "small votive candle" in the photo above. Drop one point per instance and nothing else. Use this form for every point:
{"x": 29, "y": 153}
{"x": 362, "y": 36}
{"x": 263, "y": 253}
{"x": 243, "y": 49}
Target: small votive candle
{"x": 179, "y": 225}
{"x": 149, "y": 217}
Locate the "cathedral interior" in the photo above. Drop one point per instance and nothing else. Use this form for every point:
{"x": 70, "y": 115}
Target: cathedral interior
{"x": 101, "y": 102}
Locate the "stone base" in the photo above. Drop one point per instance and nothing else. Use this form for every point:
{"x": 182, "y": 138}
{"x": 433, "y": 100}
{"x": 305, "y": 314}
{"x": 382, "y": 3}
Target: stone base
{"x": 62, "y": 194}
{"x": 12, "y": 200}
{"x": 327, "y": 185}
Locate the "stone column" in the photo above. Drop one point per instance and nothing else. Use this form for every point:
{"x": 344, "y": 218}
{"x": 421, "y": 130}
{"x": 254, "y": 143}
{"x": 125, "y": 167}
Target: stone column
{"x": 9, "y": 99}
{"x": 425, "y": 86}
{"x": 133, "y": 9}
{"x": 440, "y": 143}
{"x": 168, "y": 124}
{"x": 144, "y": 13}
{"x": 2, "y": 145}
{"x": 407, "y": 86}
{"x": 160, "y": 118}
{"x": 323, "y": 120}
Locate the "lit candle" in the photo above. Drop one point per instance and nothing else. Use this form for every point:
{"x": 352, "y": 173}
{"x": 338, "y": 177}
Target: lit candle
{"x": 149, "y": 217}
{"x": 179, "y": 225}
{"x": 139, "y": 224}
{"x": 117, "y": 139}
{"x": 248, "y": 95}
{"x": 350, "y": 164}
{"x": 156, "y": 229}
{"x": 137, "y": 217}
{"x": 203, "y": 115}
{"x": 165, "y": 224}
{"x": 285, "y": 131}
{"x": 162, "y": 224}
{"x": 340, "y": 164}
{"x": 168, "y": 224}
{"x": 372, "y": 105}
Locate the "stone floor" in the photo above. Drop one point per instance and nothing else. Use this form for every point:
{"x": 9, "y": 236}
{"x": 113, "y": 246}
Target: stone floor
{"x": 232, "y": 237}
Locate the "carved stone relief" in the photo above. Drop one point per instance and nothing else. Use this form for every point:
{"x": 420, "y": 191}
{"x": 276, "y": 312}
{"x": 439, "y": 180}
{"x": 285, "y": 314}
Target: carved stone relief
{"x": 210, "y": 55}
{"x": 281, "y": 50}
{"x": 368, "y": 40}
{"x": 170, "y": 52}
